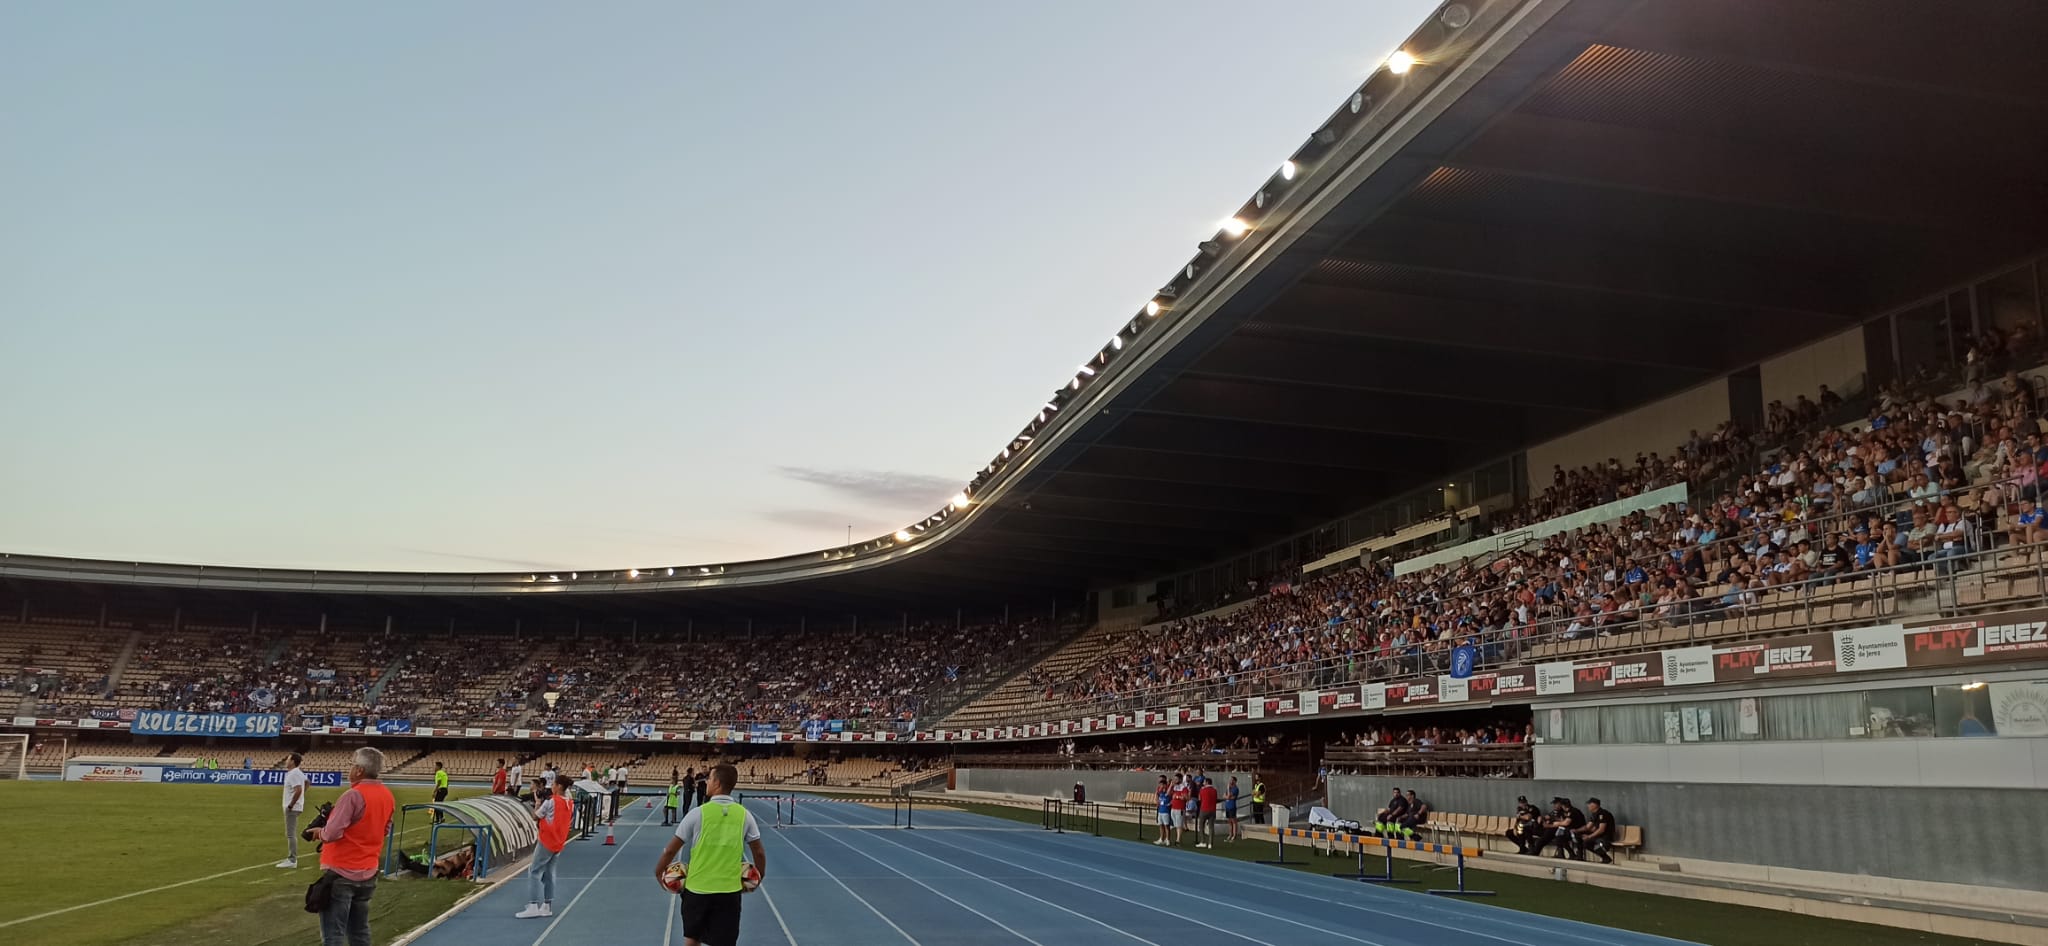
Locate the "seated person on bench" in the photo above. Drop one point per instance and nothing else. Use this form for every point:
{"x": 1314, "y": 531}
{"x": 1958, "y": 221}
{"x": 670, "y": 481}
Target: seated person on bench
{"x": 1598, "y": 833}
{"x": 1561, "y": 828}
{"x": 1526, "y": 827}
{"x": 1389, "y": 818}
{"x": 1417, "y": 816}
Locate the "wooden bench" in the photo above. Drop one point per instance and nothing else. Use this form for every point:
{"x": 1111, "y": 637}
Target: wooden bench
{"x": 1495, "y": 828}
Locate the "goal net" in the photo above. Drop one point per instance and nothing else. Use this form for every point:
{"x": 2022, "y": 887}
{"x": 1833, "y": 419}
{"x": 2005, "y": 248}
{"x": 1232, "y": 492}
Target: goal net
{"x": 13, "y": 755}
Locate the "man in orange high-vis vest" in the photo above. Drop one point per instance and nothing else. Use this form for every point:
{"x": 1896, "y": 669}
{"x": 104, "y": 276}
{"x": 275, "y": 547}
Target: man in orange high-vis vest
{"x": 553, "y": 812}
{"x": 354, "y": 850}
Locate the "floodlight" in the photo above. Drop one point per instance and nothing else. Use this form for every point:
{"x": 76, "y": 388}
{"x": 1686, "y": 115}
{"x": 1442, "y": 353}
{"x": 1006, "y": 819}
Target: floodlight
{"x": 1400, "y": 62}
{"x": 903, "y": 535}
{"x": 1233, "y": 226}
{"x": 1153, "y": 307}
{"x": 1288, "y": 169}
{"x": 960, "y": 501}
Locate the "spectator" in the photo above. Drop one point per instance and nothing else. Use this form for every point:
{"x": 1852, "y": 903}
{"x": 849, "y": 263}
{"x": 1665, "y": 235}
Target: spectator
{"x": 553, "y": 811}
{"x": 352, "y": 850}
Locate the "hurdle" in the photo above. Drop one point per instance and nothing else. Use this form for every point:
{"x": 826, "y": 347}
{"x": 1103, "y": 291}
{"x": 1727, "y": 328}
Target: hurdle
{"x": 1058, "y": 813}
{"x": 1361, "y": 841}
{"x": 1280, "y": 836}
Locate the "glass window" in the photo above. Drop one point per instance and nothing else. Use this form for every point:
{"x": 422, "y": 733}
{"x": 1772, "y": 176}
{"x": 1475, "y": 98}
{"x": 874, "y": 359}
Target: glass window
{"x": 1963, "y": 711}
{"x": 2008, "y": 302}
{"x": 1814, "y": 716}
{"x": 1903, "y": 713}
{"x": 1922, "y": 338}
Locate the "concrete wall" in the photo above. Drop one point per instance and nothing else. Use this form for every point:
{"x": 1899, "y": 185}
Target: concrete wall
{"x": 1103, "y": 786}
{"x": 1930, "y": 763}
{"x": 1987, "y": 837}
{"x": 1653, "y": 428}
{"x": 1836, "y": 362}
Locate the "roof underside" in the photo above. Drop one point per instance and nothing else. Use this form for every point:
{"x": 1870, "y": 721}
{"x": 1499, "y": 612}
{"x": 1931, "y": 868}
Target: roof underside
{"x": 1637, "y": 199}
{"x": 1640, "y": 199}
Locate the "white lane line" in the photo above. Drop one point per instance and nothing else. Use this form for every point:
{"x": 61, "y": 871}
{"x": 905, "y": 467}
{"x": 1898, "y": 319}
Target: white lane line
{"x": 137, "y": 893}
{"x": 779, "y": 921}
{"x": 849, "y": 890}
{"x": 955, "y": 867}
{"x": 1170, "y": 913}
{"x": 559, "y": 917}
{"x": 941, "y": 894}
{"x": 668, "y": 928}
{"x": 1432, "y": 906}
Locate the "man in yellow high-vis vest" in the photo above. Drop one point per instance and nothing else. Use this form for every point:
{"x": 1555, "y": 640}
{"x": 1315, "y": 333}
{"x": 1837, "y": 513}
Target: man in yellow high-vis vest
{"x": 711, "y": 839}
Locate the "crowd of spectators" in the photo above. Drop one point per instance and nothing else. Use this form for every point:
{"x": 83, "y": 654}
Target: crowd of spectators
{"x": 869, "y": 678}
{"x": 1913, "y": 483}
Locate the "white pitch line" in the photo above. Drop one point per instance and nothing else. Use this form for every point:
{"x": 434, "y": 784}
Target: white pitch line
{"x": 849, "y": 891}
{"x": 137, "y": 893}
{"x": 559, "y": 917}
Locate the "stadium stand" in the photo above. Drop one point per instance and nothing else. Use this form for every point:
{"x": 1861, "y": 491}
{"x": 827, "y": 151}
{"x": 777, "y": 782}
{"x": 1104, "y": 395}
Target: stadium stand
{"x": 1829, "y": 523}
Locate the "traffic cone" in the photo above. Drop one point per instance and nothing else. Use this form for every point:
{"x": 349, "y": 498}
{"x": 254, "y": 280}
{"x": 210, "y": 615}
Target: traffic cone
{"x": 650, "y": 804}
{"x": 608, "y": 841}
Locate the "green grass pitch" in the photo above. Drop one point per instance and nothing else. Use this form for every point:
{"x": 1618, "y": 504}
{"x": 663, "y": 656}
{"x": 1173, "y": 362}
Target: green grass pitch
{"x": 73, "y": 843}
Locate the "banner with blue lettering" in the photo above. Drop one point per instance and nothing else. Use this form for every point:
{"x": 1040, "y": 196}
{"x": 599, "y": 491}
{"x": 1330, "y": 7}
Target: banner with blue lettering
{"x": 313, "y": 720}
{"x": 247, "y": 777}
{"x": 836, "y": 725}
{"x": 814, "y": 730}
{"x": 636, "y": 731}
{"x": 237, "y": 725}
{"x": 764, "y": 733}
{"x": 394, "y": 727}
{"x": 1462, "y": 661}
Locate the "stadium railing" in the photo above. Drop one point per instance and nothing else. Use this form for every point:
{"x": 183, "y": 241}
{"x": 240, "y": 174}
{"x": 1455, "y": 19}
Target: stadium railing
{"x": 1482, "y": 761}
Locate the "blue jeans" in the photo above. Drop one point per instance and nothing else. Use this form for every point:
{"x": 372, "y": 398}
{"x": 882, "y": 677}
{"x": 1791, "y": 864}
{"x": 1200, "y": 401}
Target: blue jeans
{"x": 346, "y": 921}
{"x": 540, "y": 876}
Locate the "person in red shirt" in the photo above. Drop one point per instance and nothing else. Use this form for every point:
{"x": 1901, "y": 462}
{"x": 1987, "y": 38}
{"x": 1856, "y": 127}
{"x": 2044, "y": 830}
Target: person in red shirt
{"x": 498, "y": 781}
{"x": 1207, "y": 798}
{"x": 1179, "y": 800}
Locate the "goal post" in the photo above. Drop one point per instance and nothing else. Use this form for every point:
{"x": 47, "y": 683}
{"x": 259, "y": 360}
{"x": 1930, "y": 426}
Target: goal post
{"x": 13, "y": 755}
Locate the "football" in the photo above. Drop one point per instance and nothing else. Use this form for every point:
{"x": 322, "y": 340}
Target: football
{"x": 672, "y": 878}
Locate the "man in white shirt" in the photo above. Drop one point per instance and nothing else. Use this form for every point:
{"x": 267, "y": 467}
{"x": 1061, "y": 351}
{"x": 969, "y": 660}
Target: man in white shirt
{"x": 294, "y": 803}
{"x": 512, "y": 782}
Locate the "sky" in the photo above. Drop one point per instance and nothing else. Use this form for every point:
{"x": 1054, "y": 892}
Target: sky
{"x": 460, "y": 286}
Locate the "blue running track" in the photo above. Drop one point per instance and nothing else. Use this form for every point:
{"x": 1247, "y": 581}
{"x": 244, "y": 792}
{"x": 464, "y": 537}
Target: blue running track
{"x": 843, "y": 877}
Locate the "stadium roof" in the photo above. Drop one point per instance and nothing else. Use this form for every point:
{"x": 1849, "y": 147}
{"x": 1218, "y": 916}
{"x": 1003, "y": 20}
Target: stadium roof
{"x": 1564, "y": 209}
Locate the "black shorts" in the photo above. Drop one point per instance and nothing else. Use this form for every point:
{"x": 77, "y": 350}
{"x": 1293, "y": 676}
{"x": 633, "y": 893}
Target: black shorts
{"x": 440, "y": 794}
{"x": 712, "y": 919}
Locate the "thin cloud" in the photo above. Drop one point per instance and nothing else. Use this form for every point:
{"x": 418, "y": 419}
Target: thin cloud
{"x": 884, "y": 488}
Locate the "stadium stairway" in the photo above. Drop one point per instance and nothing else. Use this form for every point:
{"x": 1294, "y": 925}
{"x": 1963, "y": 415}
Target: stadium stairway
{"x": 376, "y": 690}
{"x": 121, "y": 661}
{"x": 1017, "y": 692}
{"x": 983, "y": 680}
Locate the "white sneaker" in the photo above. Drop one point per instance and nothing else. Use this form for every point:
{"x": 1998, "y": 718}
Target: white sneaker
{"x": 287, "y": 863}
{"x": 534, "y": 911}
{"x": 1160, "y": 843}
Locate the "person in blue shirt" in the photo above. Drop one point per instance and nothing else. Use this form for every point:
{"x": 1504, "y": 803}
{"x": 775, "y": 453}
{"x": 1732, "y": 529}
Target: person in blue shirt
{"x": 1165, "y": 796}
{"x": 1230, "y": 811}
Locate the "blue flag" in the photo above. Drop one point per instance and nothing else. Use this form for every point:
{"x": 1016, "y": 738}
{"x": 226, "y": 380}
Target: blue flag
{"x": 1463, "y": 660}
